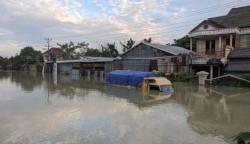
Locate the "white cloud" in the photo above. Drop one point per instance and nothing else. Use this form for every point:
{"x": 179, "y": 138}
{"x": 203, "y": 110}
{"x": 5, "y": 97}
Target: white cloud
{"x": 28, "y": 22}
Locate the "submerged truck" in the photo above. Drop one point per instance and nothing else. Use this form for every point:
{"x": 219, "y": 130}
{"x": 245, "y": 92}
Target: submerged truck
{"x": 151, "y": 84}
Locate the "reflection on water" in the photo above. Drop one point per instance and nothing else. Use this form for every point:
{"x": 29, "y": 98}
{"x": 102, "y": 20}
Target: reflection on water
{"x": 71, "y": 109}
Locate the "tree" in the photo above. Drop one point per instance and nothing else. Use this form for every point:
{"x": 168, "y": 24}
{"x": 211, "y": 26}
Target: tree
{"x": 93, "y": 52}
{"x": 73, "y": 51}
{"x": 130, "y": 43}
{"x": 183, "y": 42}
{"x": 149, "y": 40}
{"x": 82, "y": 48}
{"x": 28, "y": 55}
{"x": 3, "y": 62}
{"x": 109, "y": 50}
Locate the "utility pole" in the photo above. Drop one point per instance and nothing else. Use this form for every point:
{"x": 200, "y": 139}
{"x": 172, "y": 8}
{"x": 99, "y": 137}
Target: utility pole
{"x": 48, "y": 41}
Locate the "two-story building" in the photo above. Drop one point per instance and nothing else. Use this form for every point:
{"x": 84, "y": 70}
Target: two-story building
{"x": 216, "y": 37}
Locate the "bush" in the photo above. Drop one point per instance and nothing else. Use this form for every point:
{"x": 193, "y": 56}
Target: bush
{"x": 39, "y": 68}
{"x": 66, "y": 73}
{"x": 187, "y": 77}
{"x": 246, "y": 76}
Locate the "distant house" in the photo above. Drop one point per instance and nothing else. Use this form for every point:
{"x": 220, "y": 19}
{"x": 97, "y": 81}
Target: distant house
{"x": 216, "y": 37}
{"x": 148, "y": 57}
{"x": 239, "y": 61}
{"x": 80, "y": 66}
{"x": 52, "y": 54}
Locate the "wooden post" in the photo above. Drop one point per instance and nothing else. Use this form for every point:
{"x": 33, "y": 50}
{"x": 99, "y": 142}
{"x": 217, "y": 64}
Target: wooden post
{"x": 211, "y": 73}
{"x": 218, "y": 71}
{"x": 191, "y": 44}
{"x": 220, "y": 46}
{"x": 231, "y": 40}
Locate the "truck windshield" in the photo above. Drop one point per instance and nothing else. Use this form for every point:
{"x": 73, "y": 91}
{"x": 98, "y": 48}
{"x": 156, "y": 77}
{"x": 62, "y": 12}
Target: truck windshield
{"x": 166, "y": 89}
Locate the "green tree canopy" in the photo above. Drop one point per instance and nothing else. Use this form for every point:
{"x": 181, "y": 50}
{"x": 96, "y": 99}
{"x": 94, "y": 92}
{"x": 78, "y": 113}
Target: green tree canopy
{"x": 148, "y": 40}
{"x": 72, "y": 51}
{"x": 93, "y": 52}
{"x": 30, "y": 56}
{"x": 109, "y": 50}
{"x": 183, "y": 42}
{"x": 130, "y": 43}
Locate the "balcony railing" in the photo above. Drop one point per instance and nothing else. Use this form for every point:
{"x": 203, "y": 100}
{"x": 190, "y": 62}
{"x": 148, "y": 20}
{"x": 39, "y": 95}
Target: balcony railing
{"x": 209, "y": 54}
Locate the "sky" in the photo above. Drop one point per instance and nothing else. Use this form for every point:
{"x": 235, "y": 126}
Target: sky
{"x": 29, "y": 22}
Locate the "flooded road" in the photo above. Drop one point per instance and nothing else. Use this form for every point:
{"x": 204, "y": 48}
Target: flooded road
{"x": 73, "y": 110}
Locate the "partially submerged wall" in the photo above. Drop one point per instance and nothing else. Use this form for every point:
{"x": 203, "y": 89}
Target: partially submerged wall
{"x": 229, "y": 80}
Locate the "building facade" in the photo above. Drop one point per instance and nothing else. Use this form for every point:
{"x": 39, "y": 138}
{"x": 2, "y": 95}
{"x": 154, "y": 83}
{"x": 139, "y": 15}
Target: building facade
{"x": 215, "y": 38}
{"x": 149, "y": 57}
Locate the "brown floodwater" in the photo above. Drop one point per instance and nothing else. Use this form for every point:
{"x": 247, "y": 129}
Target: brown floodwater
{"x": 36, "y": 109}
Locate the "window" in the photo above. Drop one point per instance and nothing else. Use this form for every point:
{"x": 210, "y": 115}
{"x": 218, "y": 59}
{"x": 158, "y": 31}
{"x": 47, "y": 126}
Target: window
{"x": 205, "y": 26}
{"x": 210, "y": 47}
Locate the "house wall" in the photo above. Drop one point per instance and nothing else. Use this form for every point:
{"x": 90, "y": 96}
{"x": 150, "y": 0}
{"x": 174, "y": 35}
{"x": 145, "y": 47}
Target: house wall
{"x": 244, "y": 41}
{"x": 143, "y": 50}
{"x": 65, "y": 68}
{"x": 209, "y": 27}
{"x": 135, "y": 64}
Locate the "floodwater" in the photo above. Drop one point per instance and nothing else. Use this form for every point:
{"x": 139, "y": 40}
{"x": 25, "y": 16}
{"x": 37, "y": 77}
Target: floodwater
{"x": 72, "y": 110}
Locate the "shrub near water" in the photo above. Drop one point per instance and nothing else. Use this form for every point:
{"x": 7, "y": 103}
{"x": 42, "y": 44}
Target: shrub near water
{"x": 246, "y": 76}
{"x": 187, "y": 77}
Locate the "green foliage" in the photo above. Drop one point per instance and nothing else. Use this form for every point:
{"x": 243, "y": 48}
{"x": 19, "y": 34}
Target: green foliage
{"x": 187, "y": 77}
{"x": 27, "y": 55}
{"x": 66, "y": 73}
{"x": 93, "y": 52}
{"x": 183, "y": 42}
{"x": 246, "y": 76}
{"x": 109, "y": 50}
{"x": 242, "y": 137}
{"x": 130, "y": 43}
{"x": 39, "y": 67}
{"x": 3, "y": 62}
{"x": 73, "y": 51}
{"x": 30, "y": 56}
{"x": 149, "y": 40}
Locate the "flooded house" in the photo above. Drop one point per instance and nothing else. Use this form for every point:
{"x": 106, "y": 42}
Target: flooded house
{"x": 84, "y": 64}
{"x": 215, "y": 38}
{"x": 149, "y": 57}
{"x": 50, "y": 56}
{"x": 75, "y": 66}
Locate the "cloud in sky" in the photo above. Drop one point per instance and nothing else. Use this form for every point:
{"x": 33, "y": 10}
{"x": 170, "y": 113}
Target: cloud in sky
{"x": 28, "y": 22}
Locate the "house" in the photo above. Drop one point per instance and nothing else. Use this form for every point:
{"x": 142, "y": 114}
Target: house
{"x": 239, "y": 61}
{"x": 216, "y": 37}
{"x": 80, "y": 66}
{"x": 52, "y": 54}
{"x": 149, "y": 57}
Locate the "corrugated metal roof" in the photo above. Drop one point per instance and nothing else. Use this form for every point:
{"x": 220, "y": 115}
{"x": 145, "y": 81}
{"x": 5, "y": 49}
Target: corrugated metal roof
{"x": 175, "y": 50}
{"x": 240, "y": 53}
{"x": 88, "y": 60}
{"x": 237, "y": 17}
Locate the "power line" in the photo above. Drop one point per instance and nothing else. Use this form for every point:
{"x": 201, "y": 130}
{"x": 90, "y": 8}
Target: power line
{"x": 114, "y": 32}
{"x": 48, "y": 40}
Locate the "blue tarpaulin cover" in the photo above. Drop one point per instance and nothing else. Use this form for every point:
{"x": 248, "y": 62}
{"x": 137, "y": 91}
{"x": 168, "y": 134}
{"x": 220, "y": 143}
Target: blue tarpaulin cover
{"x": 128, "y": 77}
